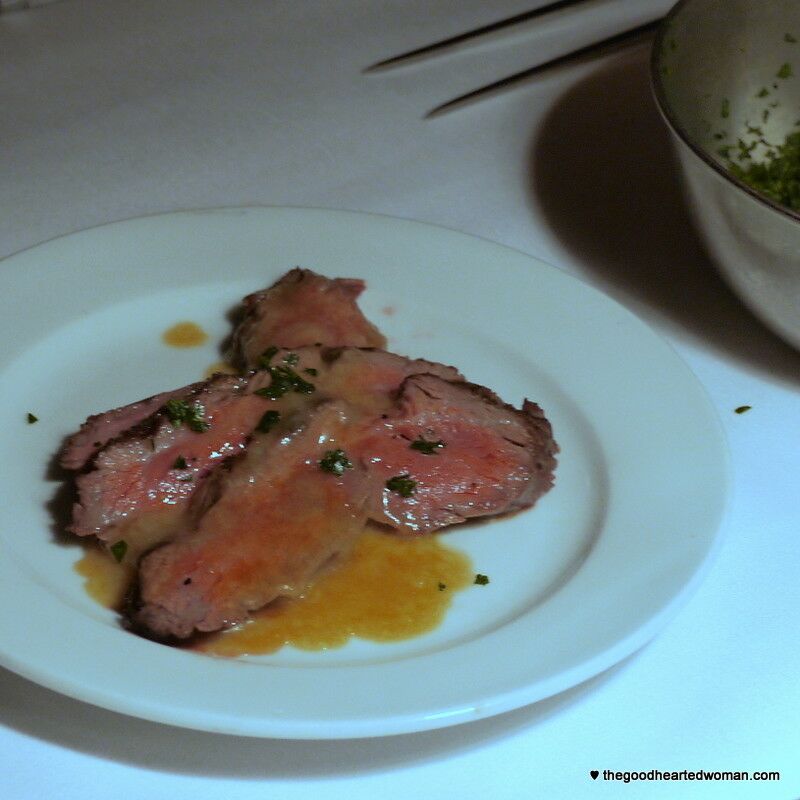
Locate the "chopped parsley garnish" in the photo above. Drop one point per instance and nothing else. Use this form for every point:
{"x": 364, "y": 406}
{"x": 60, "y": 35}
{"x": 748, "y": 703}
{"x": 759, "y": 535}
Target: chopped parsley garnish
{"x": 179, "y": 411}
{"x": 186, "y": 478}
{"x": 32, "y": 418}
{"x": 763, "y": 92}
{"x": 442, "y": 586}
{"x": 268, "y": 421}
{"x": 402, "y": 484}
{"x": 118, "y": 550}
{"x": 785, "y": 71}
{"x": 291, "y": 359}
{"x": 284, "y": 379}
{"x": 311, "y": 371}
{"x": 180, "y": 463}
{"x": 742, "y": 409}
{"x": 725, "y": 110}
{"x": 788, "y": 37}
{"x": 335, "y": 462}
{"x": 426, "y": 447}
{"x": 481, "y": 580}
{"x": 267, "y": 356}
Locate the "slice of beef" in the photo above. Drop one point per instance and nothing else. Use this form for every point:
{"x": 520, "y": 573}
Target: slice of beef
{"x": 303, "y": 308}
{"x": 451, "y": 451}
{"x": 156, "y": 465}
{"x": 99, "y": 429}
{"x": 274, "y": 519}
{"x": 138, "y": 485}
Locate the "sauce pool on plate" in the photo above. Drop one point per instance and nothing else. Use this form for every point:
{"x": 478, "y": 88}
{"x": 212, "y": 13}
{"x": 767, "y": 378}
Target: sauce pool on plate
{"x": 184, "y": 334}
{"x": 389, "y": 588}
{"x": 105, "y": 580}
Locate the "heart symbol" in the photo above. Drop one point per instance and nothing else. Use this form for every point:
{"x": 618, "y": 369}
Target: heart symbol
{"x": 594, "y": 773}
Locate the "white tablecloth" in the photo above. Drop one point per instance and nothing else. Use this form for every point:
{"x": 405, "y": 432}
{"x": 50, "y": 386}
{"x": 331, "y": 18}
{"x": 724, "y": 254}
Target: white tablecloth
{"x": 116, "y": 108}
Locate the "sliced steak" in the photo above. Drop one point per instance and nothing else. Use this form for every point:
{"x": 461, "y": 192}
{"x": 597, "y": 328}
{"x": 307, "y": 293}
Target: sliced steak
{"x": 99, "y": 429}
{"x": 155, "y": 467}
{"x": 303, "y": 308}
{"x": 270, "y": 519}
{"x": 451, "y": 451}
{"x": 274, "y": 519}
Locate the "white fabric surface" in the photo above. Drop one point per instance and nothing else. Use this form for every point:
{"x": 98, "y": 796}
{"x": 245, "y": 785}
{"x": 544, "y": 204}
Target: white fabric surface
{"x": 115, "y": 108}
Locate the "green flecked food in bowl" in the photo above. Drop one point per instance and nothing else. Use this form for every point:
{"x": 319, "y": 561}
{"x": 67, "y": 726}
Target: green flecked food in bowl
{"x": 778, "y": 175}
{"x": 729, "y": 76}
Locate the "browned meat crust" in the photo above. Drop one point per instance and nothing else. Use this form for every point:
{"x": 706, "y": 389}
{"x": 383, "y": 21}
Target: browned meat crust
{"x": 303, "y": 308}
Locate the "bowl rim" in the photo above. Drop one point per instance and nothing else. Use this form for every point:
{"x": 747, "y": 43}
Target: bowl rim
{"x": 673, "y": 122}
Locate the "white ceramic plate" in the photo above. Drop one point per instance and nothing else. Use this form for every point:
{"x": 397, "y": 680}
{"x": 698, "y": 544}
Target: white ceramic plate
{"x": 577, "y": 583}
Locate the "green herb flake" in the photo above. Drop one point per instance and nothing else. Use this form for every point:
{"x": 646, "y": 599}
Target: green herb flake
{"x": 118, "y": 550}
{"x": 179, "y": 411}
{"x": 267, "y": 356}
{"x": 742, "y": 409}
{"x": 176, "y": 410}
{"x": 785, "y": 71}
{"x": 788, "y": 37}
{"x": 311, "y": 371}
{"x": 442, "y": 586}
{"x": 426, "y": 447}
{"x": 268, "y": 421}
{"x": 186, "y": 478}
{"x": 291, "y": 359}
{"x": 335, "y": 462}
{"x": 196, "y": 422}
{"x": 725, "y": 109}
{"x": 284, "y": 380}
{"x": 481, "y": 580}
{"x": 763, "y": 92}
{"x": 32, "y": 418}
{"x": 745, "y": 149}
{"x": 180, "y": 463}
{"x": 402, "y": 484}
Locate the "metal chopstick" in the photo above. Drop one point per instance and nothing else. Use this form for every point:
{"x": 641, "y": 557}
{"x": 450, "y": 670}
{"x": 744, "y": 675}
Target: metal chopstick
{"x": 435, "y": 48}
{"x": 595, "y": 50}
